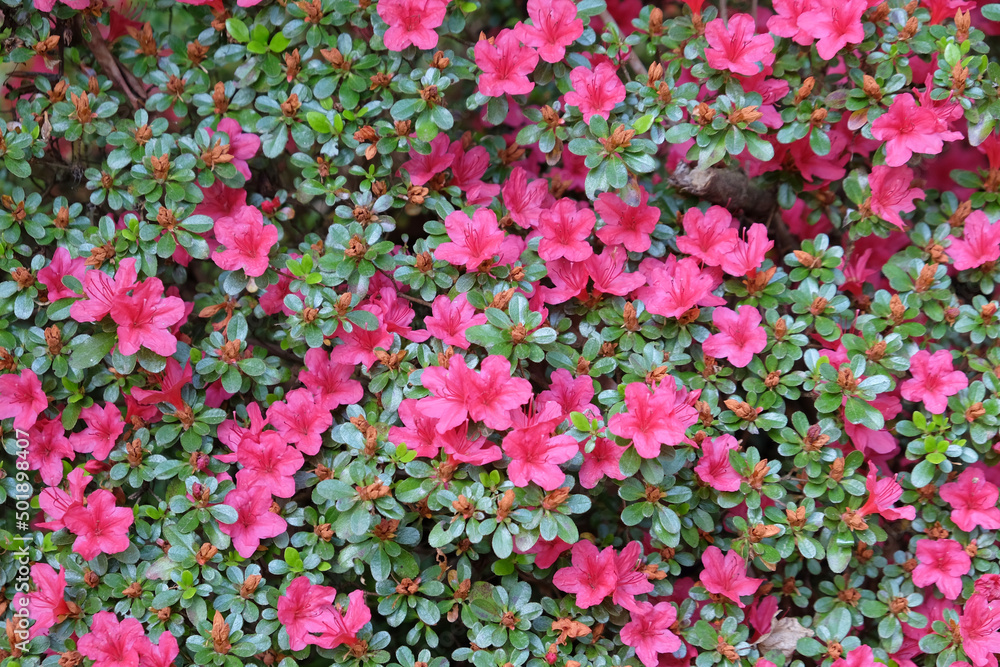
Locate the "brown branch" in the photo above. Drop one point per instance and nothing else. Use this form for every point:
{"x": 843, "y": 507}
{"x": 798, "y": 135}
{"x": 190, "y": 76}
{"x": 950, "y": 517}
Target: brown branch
{"x": 730, "y": 188}
{"x": 123, "y": 79}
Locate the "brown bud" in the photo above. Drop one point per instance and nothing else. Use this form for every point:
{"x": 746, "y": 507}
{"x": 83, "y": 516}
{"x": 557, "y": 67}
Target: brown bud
{"x": 850, "y": 596}
{"x": 926, "y": 278}
{"x": 807, "y": 260}
{"x": 205, "y": 553}
{"x": 899, "y": 606}
{"x": 814, "y": 440}
{"x": 440, "y": 61}
{"x": 834, "y": 650}
{"x": 293, "y": 64}
{"x": 82, "y": 111}
{"x": 249, "y": 586}
{"x": 631, "y": 322}
{"x": 745, "y": 115}
{"x": 408, "y": 586}
{"x": 23, "y": 277}
{"x": 324, "y": 531}
{"x": 772, "y": 380}
{"x": 220, "y": 634}
{"x": 704, "y": 114}
{"x": 818, "y": 117}
{"x": 655, "y": 28}
{"x": 518, "y": 333}
{"x": 761, "y": 532}
{"x": 373, "y": 491}
{"x": 654, "y": 74}
{"x": 797, "y": 517}
{"x": 91, "y": 579}
{"x": 290, "y": 107}
{"x": 502, "y": 299}
{"x": 134, "y": 452}
{"x": 46, "y": 45}
{"x": 937, "y": 531}
{"x": 53, "y": 340}
{"x": 880, "y": 13}
{"x": 876, "y": 352}
{"x": 742, "y": 409}
{"x": 805, "y": 90}
{"x": 872, "y": 89}
{"x": 505, "y": 505}
{"x": 620, "y": 138}
{"x": 726, "y": 650}
{"x": 759, "y": 474}
{"x": 431, "y": 95}
{"x": 380, "y": 80}
{"x": 313, "y": 10}
{"x": 837, "y": 469}
{"x": 974, "y": 412}
{"x": 555, "y": 499}
{"x": 818, "y": 306}
{"x": 910, "y": 29}
{"x": 780, "y": 328}
{"x": 846, "y": 379}
{"x": 196, "y": 52}
{"x": 67, "y": 659}
{"x": 962, "y": 24}
{"x": 356, "y": 247}
{"x": 175, "y": 86}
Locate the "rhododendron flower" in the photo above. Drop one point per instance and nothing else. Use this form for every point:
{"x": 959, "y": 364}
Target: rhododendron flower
{"x": 882, "y": 495}
{"x": 569, "y": 393}
{"x": 736, "y": 47}
{"x": 607, "y": 270}
{"x": 411, "y": 22}
{"x": 172, "y": 382}
{"x": 978, "y": 625}
{"x": 631, "y": 579}
{"x": 62, "y": 265}
{"x": 835, "y": 23}
{"x": 101, "y": 527}
{"x": 536, "y": 454}
{"x": 648, "y": 632}
{"x": 941, "y": 563}
{"x": 653, "y": 418}
{"x": 497, "y": 393}
{"x": 269, "y": 462}
{"x": 934, "y": 380}
{"x": 740, "y": 335}
{"x": 255, "y": 521}
{"x": 48, "y": 447}
{"x": 103, "y": 292}
{"x": 358, "y": 345}
{"x": 989, "y": 586}
{"x": 423, "y": 168}
{"x": 112, "y": 643}
{"x": 55, "y": 502}
{"x": 973, "y": 501}
{"x": 625, "y": 225}
{"x": 892, "y": 194}
{"x": 329, "y": 382}
{"x": 747, "y": 254}
{"x": 601, "y": 462}
{"x": 337, "y": 627}
{"x": 861, "y": 656}
{"x": 524, "y": 200}
{"x": 47, "y": 604}
{"x": 23, "y": 398}
{"x": 473, "y": 241}
{"x": 451, "y": 389}
{"x": 459, "y": 447}
{"x": 546, "y": 552}
{"x": 554, "y": 26}
{"x": 727, "y": 575}
{"x": 451, "y": 318}
{"x": 104, "y": 427}
{"x": 419, "y": 431}
{"x": 714, "y": 467}
{"x": 301, "y": 420}
{"x": 708, "y": 236}
{"x": 907, "y": 129}
{"x": 506, "y": 64}
{"x": 565, "y": 229}
{"x": 247, "y": 242}
{"x": 786, "y": 21}
{"x": 676, "y": 286}
{"x": 300, "y": 608}
{"x": 162, "y": 654}
{"x": 243, "y": 146}
{"x": 596, "y": 92}
{"x": 867, "y": 440}
{"x": 591, "y": 577}
{"x": 980, "y": 242}
{"x": 144, "y": 319}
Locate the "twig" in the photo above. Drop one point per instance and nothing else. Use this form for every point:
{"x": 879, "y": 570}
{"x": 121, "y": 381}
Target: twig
{"x": 120, "y": 76}
{"x": 730, "y": 188}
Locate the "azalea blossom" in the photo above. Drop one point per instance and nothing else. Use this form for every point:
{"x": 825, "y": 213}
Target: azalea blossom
{"x": 112, "y": 643}
{"x": 934, "y": 380}
{"x": 565, "y": 229}
{"x": 300, "y": 608}
{"x": 243, "y": 146}
{"x": 102, "y": 291}
{"x": 411, "y": 22}
{"x": 524, "y": 200}
{"x": 62, "y": 265}
{"x": 23, "y": 398}
{"x": 299, "y": 419}
{"x": 104, "y": 427}
{"x": 652, "y": 419}
{"x": 714, "y": 467}
{"x": 740, "y": 335}
{"x": 631, "y": 579}
{"x": 506, "y": 64}
{"x": 736, "y": 47}
{"x": 247, "y": 242}
{"x": 591, "y": 577}
{"x": 269, "y": 462}
{"x": 882, "y": 495}
{"x": 329, "y": 381}
{"x": 624, "y": 224}
{"x": 892, "y": 194}
{"x": 835, "y": 23}
{"x": 676, "y": 286}
{"x": 451, "y": 318}
{"x": 602, "y": 461}
{"x": 941, "y": 563}
{"x": 973, "y": 501}
{"x": 979, "y": 245}
{"x": 144, "y": 319}
{"x": 727, "y": 575}
{"x": 255, "y": 521}
{"x": 473, "y": 241}
{"x": 979, "y": 624}
{"x": 907, "y": 129}
{"x": 47, "y": 604}
{"x": 648, "y": 632}
{"x": 47, "y": 448}
{"x": 423, "y": 168}
{"x": 787, "y": 22}
{"x": 536, "y": 454}
{"x": 747, "y": 254}
{"x": 596, "y": 92}
{"x": 101, "y": 527}
{"x": 554, "y": 26}
{"x": 708, "y": 236}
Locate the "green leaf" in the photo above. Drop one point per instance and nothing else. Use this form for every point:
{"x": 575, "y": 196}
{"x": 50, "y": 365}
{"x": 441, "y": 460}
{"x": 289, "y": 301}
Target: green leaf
{"x": 89, "y": 350}
{"x": 861, "y": 412}
{"x": 238, "y": 29}
{"x": 319, "y": 122}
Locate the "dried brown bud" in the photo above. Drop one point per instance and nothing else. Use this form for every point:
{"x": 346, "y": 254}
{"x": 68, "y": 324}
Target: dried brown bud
{"x": 846, "y": 379}
{"x": 293, "y": 64}
{"x": 910, "y": 29}
{"x": 23, "y": 277}
{"x": 897, "y": 311}
{"x": 761, "y": 532}
{"x": 926, "y": 278}
{"x": 745, "y": 115}
{"x": 880, "y": 13}
{"x": 655, "y": 22}
{"x": 249, "y": 586}
{"x": 742, "y": 409}
{"x": 772, "y": 380}
{"x": 220, "y": 634}
{"x": 620, "y": 138}
{"x": 850, "y": 596}
{"x": 805, "y": 90}
{"x": 290, "y": 107}
{"x": 962, "y": 24}
{"x": 144, "y": 37}
{"x": 134, "y": 453}
{"x": 505, "y": 505}
{"x": 876, "y": 352}
{"x": 704, "y": 114}
{"x": 431, "y": 95}
{"x": 324, "y": 531}
{"x": 837, "y": 469}
{"x": 373, "y": 491}
{"x": 82, "y": 110}
{"x": 176, "y": 86}
{"x": 220, "y": 100}
{"x": 654, "y": 74}
{"x": 196, "y": 52}
{"x": 759, "y": 474}
{"x": 313, "y": 10}
{"x": 818, "y": 306}
{"x": 46, "y": 45}
{"x": 797, "y": 517}
{"x": 440, "y": 61}
{"x": 555, "y": 499}
{"x": 872, "y": 89}
{"x": 408, "y": 586}
{"x": 818, "y": 117}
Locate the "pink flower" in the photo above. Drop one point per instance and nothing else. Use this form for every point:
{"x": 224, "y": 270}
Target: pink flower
{"x": 708, "y": 236}
{"x": 104, "y": 427}
{"x": 973, "y": 501}
{"x": 565, "y": 231}
{"x": 524, "y": 200}
{"x": 892, "y": 194}
{"x": 536, "y": 454}
{"x": 607, "y": 270}
{"x": 737, "y": 48}
{"x": 101, "y": 527}
{"x": 423, "y": 168}
{"x": 411, "y": 22}
{"x": 601, "y": 462}
{"x": 472, "y": 241}
{"x": 592, "y": 576}
{"x": 358, "y": 345}
{"x": 941, "y": 563}
{"x": 554, "y": 26}
{"x": 47, "y": 5}
{"x": 162, "y": 654}
{"x": 102, "y": 291}
{"x": 255, "y": 521}
{"x": 675, "y": 287}
{"x": 452, "y": 389}
{"x": 714, "y": 467}
{"x": 243, "y": 146}
{"x": 300, "y": 608}
{"x": 727, "y": 575}
{"x": 631, "y": 579}
{"x": 596, "y": 92}
{"x": 547, "y": 552}
{"x": 301, "y": 420}
{"x": 907, "y": 129}
{"x": 835, "y": 23}
{"x": 172, "y": 382}
{"x": 220, "y": 201}
{"x": 498, "y": 393}
{"x": 785, "y": 22}
{"x": 459, "y": 447}
{"x": 629, "y": 226}
{"x": 648, "y": 632}
{"x": 47, "y": 603}
{"x": 882, "y": 495}
{"x": 506, "y": 64}
{"x": 652, "y": 419}
{"x": 269, "y": 462}
{"x": 112, "y": 643}
{"x": 571, "y": 394}
{"x": 144, "y": 319}
{"x": 329, "y": 382}
{"x": 978, "y": 626}
{"x": 419, "y": 431}
{"x": 740, "y": 335}
{"x": 56, "y": 503}
{"x": 747, "y": 254}
{"x": 934, "y": 380}
{"x": 23, "y": 398}
{"x": 861, "y": 656}
{"x": 989, "y": 586}
{"x": 48, "y": 447}
{"x": 980, "y": 242}
{"x": 247, "y": 240}
{"x": 337, "y": 627}
{"x": 451, "y": 318}
{"x": 62, "y": 265}
{"x": 866, "y": 440}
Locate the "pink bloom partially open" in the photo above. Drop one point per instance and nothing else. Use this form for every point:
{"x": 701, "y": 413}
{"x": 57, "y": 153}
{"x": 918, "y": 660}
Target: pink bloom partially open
{"x": 907, "y": 129}
{"x": 554, "y": 26}
{"x": 892, "y": 194}
{"x": 23, "y": 398}
{"x": 727, "y": 575}
{"x": 980, "y": 242}
{"x": 979, "y": 624}
{"x": 592, "y": 576}
{"x": 648, "y": 632}
{"x": 247, "y": 242}
{"x": 506, "y": 64}
{"x": 714, "y": 467}
{"x": 62, "y": 265}
{"x": 934, "y": 380}
{"x": 255, "y": 521}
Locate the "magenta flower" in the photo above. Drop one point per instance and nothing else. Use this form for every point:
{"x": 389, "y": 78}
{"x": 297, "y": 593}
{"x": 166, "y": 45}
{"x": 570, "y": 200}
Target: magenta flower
{"x": 882, "y": 495}
{"x": 162, "y": 654}
{"x": 47, "y": 5}
{"x": 172, "y": 382}
{"x": 675, "y": 287}
{"x": 457, "y": 444}
{"x": 255, "y": 521}
{"x": 101, "y": 527}
{"x": 506, "y": 64}
{"x": 785, "y": 22}
{"x": 973, "y": 501}
{"x": 631, "y": 579}
{"x": 301, "y": 420}
{"x": 892, "y": 194}
{"x": 47, "y": 603}
{"x": 747, "y": 254}
{"x": 329, "y": 382}
{"x": 358, "y": 345}
{"x": 23, "y": 398}
{"x": 648, "y": 632}
{"x": 300, "y": 609}
{"x": 524, "y": 201}
{"x": 737, "y": 48}
{"x": 452, "y": 389}
{"x": 835, "y": 23}
{"x": 535, "y": 453}
{"x": 601, "y": 462}
{"x": 411, "y": 22}
{"x": 103, "y": 291}
{"x": 607, "y": 270}
{"x": 978, "y": 625}
{"x": 596, "y": 92}
{"x": 714, "y": 467}
{"x": 497, "y": 393}
{"x": 980, "y": 242}
{"x": 144, "y": 319}
{"x": 247, "y": 242}
{"x": 565, "y": 231}
{"x": 419, "y": 431}
{"x": 112, "y": 643}
{"x": 104, "y": 427}
{"x": 546, "y": 552}
{"x": 941, "y": 563}
{"x": 591, "y": 578}
{"x": 48, "y": 447}
{"x": 269, "y": 462}
{"x": 243, "y": 146}
{"x": 56, "y": 503}
{"x": 62, "y": 265}
{"x": 708, "y": 236}
{"x": 625, "y": 225}
{"x": 554, "y": 26}
{"x": 740, "y": 335}
{"x": 423, "y": 168}
{"x": 907, "y": 129}
{"x": 727, "y": 575}
{"x": 472, "y": 241}
{"x": 569, "y": 393}
{"x": 341, "y": 628}
{"x": 451, "y": 318}
{"x": 653, "y": 419}
{"x": 861, "y": 656}
{"x": 934, "y": 380}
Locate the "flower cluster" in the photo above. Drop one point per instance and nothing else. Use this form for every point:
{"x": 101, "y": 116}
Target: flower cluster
{"x": 422, "y": 333}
